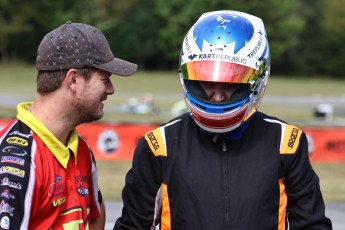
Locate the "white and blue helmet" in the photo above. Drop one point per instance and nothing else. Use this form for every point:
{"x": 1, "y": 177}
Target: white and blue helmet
{"x": 229, "y": 47}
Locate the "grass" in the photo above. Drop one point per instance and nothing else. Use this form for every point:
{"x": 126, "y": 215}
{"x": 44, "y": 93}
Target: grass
{"x": 112, "y": 178}
{"x": 18, "y": 81}
{"x": 331, "y": 181}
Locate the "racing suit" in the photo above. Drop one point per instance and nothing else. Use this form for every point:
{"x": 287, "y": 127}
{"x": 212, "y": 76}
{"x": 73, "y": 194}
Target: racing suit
{"x": 44, "y": 184}
{"x": 184, "y": 179}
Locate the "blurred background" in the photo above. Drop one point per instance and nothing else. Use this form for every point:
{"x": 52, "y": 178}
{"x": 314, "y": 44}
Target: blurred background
{"x": 306, "y": 37}
{"x": 306, "y": 87}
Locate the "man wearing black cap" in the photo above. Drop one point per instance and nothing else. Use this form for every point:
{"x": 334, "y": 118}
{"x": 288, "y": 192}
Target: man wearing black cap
{"x": 48, "y": 173}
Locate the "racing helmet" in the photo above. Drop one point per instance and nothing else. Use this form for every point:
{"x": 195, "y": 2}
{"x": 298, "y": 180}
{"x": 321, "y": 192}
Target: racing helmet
{"x": 229, "y": 47}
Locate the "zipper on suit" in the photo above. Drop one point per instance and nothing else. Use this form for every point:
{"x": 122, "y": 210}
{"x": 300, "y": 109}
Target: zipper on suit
{"x": 215, "y": 138}
{"x": 226, "y": 185}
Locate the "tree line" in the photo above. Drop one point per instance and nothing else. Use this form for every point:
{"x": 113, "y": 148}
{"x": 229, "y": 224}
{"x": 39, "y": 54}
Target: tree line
{"x": 306, "y": 37}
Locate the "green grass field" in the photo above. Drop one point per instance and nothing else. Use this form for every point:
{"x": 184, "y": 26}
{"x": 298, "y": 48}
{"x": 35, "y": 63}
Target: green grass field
{"x": 19, "y": 81}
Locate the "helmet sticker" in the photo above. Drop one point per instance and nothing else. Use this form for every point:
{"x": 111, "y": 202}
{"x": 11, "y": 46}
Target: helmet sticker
{"x": 226, "y": 36}
{"x": 220, "y": 31}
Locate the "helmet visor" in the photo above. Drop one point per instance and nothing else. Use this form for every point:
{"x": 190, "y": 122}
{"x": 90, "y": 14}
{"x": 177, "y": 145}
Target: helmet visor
{"x": 217, "y": 71}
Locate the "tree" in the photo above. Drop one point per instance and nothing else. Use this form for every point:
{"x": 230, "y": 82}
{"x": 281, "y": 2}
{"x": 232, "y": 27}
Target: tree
{"x": 305, "y": 37}
{"x": 283, "y": 23}
{"x": 333, "y": 57}
{"x": 135, "y": 34}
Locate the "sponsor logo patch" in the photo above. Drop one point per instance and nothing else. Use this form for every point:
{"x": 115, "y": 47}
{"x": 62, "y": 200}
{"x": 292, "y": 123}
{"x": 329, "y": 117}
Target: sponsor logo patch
{"x": 5, "y": 222}
{"x": 83, "y": 191}
{"x": 80, "y": 179}
{"x": 7, "y": 194}
{"x": 59, "y": 202}
{"x": 13, "y": 171}
{"x": 16, "y": 132}
{"x": 14, "y": 160}
{"x": 14, "y": 150}
{"x": 153, "y": 140}
{"x": 17, "y": 141}
{"x": 6, "y": 208}
{"x": 293, "y": 137}
{"x": 6, "y": 182}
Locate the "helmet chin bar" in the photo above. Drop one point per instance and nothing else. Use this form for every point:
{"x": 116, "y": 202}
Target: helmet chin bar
{"x": 217, "y": 130}
{"x": 218, "y": 122}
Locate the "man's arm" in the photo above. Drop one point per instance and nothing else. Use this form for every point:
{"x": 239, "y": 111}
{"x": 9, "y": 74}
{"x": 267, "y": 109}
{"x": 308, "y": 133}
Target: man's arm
{"x": 99, "y": 223}
{"x": 140, "y": 192}
{"x": 306, "y": 208}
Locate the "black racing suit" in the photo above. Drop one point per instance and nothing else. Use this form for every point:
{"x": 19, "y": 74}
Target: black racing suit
{"x": 184, "y": 179}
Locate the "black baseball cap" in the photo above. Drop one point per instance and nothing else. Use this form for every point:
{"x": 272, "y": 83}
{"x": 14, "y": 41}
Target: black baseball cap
{"x": 78, "y": 45}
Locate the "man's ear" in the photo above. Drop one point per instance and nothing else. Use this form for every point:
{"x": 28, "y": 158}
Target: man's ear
{"x": 71, "y": 79}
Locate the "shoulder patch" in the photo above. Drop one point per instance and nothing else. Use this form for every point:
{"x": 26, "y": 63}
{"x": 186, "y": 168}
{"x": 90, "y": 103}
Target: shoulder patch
{"x": 156, "y": 141}
{"x": 290, "y": 139}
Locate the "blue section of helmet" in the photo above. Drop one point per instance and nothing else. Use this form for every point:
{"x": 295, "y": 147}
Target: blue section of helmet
{"x": 264, "y": 53}
{"x": 216, "y": 108}
{"x": 223, "y": 29}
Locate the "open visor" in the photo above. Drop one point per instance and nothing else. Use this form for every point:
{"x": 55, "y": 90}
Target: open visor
{"x": 217, "y": 71}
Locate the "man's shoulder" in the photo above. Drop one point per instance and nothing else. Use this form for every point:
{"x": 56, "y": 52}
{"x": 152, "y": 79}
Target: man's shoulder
{"x": 176, "y": 122}
{"x": 16, "y": 128}
{"x": 264, "y": 123}
{"x": 266, "y": 119}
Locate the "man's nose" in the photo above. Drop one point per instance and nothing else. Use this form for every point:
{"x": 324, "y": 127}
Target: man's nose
{"x": 219, "y": 96}
{"x": 110, "y": 88}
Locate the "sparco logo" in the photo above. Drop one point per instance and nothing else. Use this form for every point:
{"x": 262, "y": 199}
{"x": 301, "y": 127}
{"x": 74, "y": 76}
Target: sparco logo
{"x": 153, "y": 140}
{"x": 293, "y": 137}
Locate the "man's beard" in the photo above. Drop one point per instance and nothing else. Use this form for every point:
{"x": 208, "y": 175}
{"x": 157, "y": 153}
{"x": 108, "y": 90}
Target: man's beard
{"x": 85, "y": 113}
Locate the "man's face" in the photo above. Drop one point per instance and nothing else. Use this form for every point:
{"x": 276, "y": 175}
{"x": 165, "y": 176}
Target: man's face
{"x": 91, "y": 94}
{"x": 218, "y": 91}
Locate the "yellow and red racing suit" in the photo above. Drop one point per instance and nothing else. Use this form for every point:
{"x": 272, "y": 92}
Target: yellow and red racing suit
{"x": 44, "y": 184}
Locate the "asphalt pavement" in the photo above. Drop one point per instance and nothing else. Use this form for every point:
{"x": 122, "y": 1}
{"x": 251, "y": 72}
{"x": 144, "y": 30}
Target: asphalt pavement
{"x": 336, "y": 212}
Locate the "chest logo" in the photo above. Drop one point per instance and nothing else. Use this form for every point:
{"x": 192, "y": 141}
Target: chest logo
{"x": 59, "y": 202}
{"x": 17, "y": 141}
